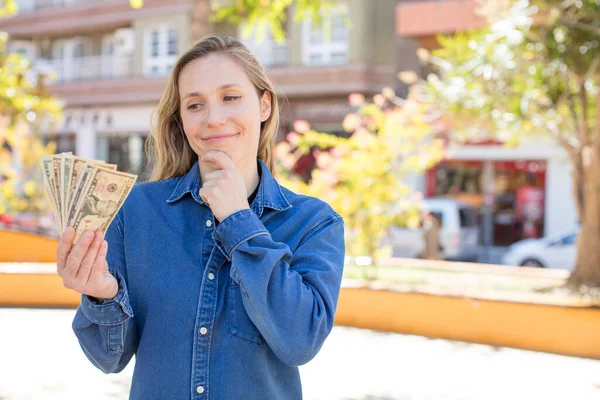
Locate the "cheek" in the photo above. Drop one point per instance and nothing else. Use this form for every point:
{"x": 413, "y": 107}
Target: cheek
{"x": 191, "y": 124}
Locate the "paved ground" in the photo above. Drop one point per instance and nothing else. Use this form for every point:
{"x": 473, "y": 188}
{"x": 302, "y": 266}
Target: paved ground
{"x": 40, "y": 359}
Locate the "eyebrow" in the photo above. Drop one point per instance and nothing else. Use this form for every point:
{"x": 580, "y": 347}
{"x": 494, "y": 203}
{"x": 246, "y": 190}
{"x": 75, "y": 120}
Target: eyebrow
{"x": 222, "y": 87}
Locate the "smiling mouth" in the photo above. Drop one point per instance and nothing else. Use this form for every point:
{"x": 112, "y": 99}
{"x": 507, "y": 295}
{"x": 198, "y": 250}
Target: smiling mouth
{"x": 219, "y": 138}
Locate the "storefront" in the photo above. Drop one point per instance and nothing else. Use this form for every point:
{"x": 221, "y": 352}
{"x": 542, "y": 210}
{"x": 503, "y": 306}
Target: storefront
{"x": 519, "y": 193}
{"x": 518, "y": 190}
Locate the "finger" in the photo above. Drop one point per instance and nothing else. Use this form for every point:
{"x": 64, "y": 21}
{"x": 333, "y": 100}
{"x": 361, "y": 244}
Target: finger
{"x": 89, "y": 258}
{"x": 99, "y": 267}
{"x": 204, "y": 195}
{"x": 218, "y": 159}
{"x": 76, "y": 257}
{"x": 219, "y": 174}
{"x": 211, "y": 183}
{"x": 64, "y": 248}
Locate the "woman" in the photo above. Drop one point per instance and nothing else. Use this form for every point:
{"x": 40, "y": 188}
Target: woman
{"x": 220, "y": 281}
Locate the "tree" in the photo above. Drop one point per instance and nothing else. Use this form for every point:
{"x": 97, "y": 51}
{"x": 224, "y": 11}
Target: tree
{"x": 260, "y": 14}
{"x": 361, "y": 175}
{"x": 26, "y": 108}
{"x": 534, "y": 70}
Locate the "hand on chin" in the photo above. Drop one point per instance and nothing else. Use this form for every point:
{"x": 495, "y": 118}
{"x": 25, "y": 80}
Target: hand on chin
{"x": 223, "y": 187}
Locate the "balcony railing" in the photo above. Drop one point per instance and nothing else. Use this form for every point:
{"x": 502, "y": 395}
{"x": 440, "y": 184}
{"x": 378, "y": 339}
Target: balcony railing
{"x": 34, "y": 5}
{"x": 89, "y": 68}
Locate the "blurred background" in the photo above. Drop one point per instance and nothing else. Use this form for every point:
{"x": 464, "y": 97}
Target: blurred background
{"x": 459, "y": 139}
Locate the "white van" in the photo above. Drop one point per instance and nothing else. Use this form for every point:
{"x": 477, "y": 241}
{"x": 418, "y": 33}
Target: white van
{"x": 459, "y": 232}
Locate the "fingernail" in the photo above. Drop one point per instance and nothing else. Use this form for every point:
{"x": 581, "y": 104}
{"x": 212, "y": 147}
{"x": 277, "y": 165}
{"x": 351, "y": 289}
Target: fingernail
{"x": 104, "y": 245}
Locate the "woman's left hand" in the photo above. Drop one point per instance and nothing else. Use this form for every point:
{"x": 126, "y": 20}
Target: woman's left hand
{"x": 223, "y": 190}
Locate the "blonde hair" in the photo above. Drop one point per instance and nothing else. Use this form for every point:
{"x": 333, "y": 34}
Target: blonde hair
{"x": 167, "y": 147}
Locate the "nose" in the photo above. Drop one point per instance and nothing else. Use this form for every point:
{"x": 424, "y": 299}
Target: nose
{"x": 215, "y": 116}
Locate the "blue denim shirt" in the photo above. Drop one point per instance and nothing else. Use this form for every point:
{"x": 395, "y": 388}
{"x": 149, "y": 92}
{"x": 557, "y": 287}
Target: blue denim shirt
{"x": 221, "y": 313}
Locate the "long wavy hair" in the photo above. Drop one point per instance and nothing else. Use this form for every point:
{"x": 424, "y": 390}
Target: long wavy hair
{"x": 167, "y": 147}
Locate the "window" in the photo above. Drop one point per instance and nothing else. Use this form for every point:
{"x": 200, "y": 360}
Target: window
{"x": 328, "y": 44}
{"x": 155, "y": 43}
{"x": 468, "y": 217}
{"x": 570, "y": 240}
{"x": 64, "y": 142}
{"x": 23, "y": 48}
{"x": 125, "y": 151}
{"x": 268, "y": 52}
{"x": 172, "y": 51}
{"x": 160, "y": 50}
{"x": 71, "y": 59}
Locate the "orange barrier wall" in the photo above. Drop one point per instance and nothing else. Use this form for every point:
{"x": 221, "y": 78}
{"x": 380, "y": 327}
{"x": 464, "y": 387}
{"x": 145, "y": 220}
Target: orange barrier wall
{"x": 26, "y": 247}
{"x": 554, "y": 329}
{"x": 35, "y": 290}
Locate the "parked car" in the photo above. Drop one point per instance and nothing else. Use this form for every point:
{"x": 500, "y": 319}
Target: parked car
{"x": 556, "y": 252}
{"x": 458, "y": 234}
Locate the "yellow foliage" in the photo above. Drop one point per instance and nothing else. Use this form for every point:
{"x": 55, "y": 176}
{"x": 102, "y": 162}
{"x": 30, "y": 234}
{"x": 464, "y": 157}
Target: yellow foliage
{"x": 361, "y": 176}
{"x": 25, "y": 106}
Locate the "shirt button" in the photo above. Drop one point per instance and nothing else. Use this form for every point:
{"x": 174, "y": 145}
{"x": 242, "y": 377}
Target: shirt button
{"x": 208, "y": 223}
{"x": 211, "y": 276}
{"x": 203, "y": 331}
{"x": 200, "y": 389}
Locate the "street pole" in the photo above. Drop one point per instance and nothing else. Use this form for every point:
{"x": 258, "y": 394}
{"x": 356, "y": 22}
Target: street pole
{"x": 488, "y": 213}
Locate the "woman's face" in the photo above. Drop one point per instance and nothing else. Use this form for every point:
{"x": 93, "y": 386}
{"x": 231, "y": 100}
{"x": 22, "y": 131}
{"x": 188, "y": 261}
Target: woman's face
{"x": 221, "y": 109}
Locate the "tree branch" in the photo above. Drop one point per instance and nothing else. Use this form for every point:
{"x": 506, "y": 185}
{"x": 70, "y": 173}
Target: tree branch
{"x": 579, "y": 25}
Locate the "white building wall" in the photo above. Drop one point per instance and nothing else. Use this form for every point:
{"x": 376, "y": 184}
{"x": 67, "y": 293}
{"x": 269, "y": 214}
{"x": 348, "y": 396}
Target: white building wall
{"x": 561, "y": 213}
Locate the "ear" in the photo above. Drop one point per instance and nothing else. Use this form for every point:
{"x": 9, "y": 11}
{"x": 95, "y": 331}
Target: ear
{"x": 265, "y": 106}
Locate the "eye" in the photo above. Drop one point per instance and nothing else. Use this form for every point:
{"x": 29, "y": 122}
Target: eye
{"x": 194, "y": 106}
{"x": 231, "y": 98}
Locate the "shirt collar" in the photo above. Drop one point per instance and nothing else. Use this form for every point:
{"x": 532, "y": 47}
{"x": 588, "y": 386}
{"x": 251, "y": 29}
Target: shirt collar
{"x": 269, "y": 194}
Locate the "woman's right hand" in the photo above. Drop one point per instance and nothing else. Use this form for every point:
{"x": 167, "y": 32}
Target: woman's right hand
{"x": 83, "y": 267}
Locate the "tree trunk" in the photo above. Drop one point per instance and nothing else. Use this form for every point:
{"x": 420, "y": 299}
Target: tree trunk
{"x": 200, "y": 24}
{"x": 587, "y": 265}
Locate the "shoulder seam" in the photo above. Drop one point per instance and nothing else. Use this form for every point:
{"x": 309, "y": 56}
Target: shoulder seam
{"x": 330, "y": 220}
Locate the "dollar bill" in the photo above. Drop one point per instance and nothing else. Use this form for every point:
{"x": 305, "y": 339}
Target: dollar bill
{"x": 57, "y": 172}
{"x": 78, "y": 192}
{"x": 65, "y": 168}
{"x": 49, "y": 185}
{"x": 100, "y": 199}
{"x": 77, "y": 167}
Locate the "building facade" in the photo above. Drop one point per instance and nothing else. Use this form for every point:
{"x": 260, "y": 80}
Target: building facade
{"x": 111, "y": 64}
{"x": 510, "y": 187}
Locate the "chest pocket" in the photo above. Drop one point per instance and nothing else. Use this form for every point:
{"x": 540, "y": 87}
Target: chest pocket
{"x": 240, "y": 325}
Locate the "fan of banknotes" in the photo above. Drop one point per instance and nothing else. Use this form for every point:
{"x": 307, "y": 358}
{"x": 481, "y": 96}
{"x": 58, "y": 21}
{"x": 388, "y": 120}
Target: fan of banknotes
{"x": 85, "y": 194}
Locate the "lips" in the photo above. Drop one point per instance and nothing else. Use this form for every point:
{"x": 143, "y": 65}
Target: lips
{"x": 219, "y": 137}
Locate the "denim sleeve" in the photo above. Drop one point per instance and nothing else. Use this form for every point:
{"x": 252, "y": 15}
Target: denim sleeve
{"x": 106, "y": 330}
{"x": 291, "y": 298}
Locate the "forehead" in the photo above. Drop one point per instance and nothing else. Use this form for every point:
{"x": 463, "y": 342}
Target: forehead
{"x": 207, "y": 74}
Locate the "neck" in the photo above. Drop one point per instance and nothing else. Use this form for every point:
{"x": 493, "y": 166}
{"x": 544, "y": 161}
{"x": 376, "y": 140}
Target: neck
{"x": 249, "y": 172}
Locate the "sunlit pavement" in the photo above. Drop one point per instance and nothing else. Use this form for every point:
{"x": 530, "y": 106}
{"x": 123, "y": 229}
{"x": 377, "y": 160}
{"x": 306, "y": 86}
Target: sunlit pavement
{"x": 40, "y": 359}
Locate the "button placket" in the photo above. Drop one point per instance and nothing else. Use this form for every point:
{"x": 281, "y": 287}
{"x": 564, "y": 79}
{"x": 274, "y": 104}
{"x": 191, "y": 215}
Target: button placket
{"x": 205, "y": 318}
